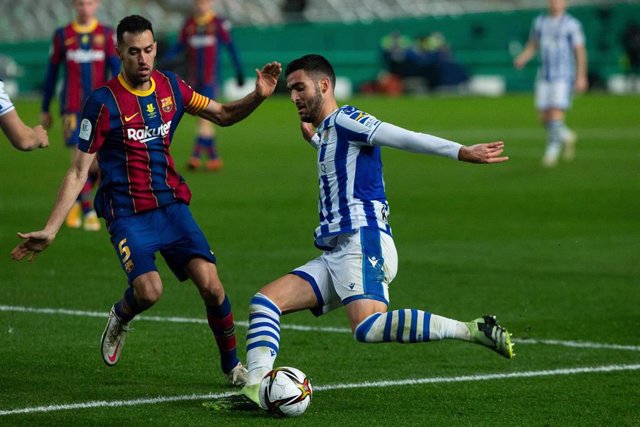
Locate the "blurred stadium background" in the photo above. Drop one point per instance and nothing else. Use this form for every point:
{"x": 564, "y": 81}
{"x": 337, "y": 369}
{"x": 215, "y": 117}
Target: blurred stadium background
{"x": 483, "y": 35}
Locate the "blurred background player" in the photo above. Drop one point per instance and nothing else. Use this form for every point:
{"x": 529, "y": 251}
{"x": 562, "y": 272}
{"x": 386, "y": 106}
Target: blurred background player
{"x": 201, "y": 36}
{"x": 20, "y": 135}
{"x": 563, "y": 68}
{"x": 85, "y": 49}
{"x": 128, "y": 125}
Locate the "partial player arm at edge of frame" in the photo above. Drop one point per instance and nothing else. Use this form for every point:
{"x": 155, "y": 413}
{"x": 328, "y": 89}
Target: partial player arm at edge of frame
{"x": 526, "y": 55}
{"x": 232, "y": 112}
{"x": 37, "y": 241}
{"x": 22, "y": 136}
{"x": 582, "y": 81}
{"x": 396, "y": 137}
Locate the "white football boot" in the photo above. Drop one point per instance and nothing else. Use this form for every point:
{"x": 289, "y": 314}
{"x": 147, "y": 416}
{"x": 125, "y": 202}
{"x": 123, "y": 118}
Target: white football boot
{"x": 113, "y": 338}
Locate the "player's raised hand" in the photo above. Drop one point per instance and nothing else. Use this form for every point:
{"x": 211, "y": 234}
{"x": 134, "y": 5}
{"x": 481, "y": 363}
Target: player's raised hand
{"x": 483, "y": 153}
{"x": 35, "y": 242}
{"x": 267, "y": 79}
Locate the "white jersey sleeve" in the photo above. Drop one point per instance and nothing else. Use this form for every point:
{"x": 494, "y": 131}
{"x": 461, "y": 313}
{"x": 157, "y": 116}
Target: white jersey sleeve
{"x": 5, "y": 102}
{"x": 389, "y": 135}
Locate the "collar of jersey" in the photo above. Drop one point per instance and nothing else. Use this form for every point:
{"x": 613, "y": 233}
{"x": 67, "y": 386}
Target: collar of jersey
{"x": 134, "y": 91}
{"x": 327, "y": 122}
{"x": 79, "y": 28}
{"x": 201, "y": 20}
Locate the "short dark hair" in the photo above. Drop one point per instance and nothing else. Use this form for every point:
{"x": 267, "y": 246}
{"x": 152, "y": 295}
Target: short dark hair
{"x": 311, "y": 64}
{"x": 134, "y": 24}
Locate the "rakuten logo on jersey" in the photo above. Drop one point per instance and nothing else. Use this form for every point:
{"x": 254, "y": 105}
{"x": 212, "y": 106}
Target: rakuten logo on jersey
{"x": 148, "y": 134}
{"x": 198, "y": 41}
{"x": 82, "y": 56}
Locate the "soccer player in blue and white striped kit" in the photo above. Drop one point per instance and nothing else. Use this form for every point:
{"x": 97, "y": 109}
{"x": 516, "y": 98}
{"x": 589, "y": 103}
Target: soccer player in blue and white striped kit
{"x": 359, "y": 259}
{"x": 563, "y": 68}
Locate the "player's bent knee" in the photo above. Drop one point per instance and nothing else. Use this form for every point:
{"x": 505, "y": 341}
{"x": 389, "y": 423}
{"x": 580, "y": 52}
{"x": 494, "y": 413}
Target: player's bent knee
{"x": 147, "y": 291}
{"x": 262, "y": 303}
{"x": 370, "y": 329}
{"x": 149, "y": 296}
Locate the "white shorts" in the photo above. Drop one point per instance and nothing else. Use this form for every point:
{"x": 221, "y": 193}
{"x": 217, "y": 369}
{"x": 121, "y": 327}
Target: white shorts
{"x": 361, "y": 266}
{"x": 5, "y": 103}
{"x": 553, "y": 94}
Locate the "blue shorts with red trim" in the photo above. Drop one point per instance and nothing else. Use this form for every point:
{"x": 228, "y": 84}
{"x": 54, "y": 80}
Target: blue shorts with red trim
{"x": 170, "y": 230}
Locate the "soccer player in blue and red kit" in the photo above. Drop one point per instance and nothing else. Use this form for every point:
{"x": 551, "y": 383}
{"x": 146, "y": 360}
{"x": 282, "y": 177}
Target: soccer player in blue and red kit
{"x": 128, "y": 126}
{"x": 85, "y": 49}
{"x": 201, "y": 36}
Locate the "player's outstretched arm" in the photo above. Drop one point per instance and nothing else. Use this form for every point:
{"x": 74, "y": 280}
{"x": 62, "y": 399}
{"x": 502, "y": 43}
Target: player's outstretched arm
{"x": 37, "y": 241}
{"x": 526, "y": 55}
{"x": 232, "y": 112}
{"x": 22, "y": 136}
{"x": 483, "y": 153}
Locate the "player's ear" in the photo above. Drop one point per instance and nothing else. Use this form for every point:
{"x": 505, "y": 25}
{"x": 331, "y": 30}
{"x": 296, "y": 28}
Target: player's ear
{"x": 324, "y": 85}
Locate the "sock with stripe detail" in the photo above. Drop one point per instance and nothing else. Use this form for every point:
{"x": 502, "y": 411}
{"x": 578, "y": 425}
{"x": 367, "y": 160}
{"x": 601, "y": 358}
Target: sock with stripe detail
{"x": 220, "y": 319}
{"x": 263, "y": 337}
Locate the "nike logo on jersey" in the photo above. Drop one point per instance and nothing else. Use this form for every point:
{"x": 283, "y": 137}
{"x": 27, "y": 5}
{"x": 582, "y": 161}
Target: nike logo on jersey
{"x": 373, "y": 261}
{"x": 128, "y": 118}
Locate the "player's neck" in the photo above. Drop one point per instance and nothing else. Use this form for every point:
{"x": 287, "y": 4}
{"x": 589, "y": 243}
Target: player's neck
{"x": 556, "y": 13}
{"x": 327, "y": 110}
{"x": 140, "y": 88}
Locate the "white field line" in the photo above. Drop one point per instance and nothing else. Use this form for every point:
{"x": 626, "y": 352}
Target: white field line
{"x": 376, "y": 384}
{"x": 103, "y": 315}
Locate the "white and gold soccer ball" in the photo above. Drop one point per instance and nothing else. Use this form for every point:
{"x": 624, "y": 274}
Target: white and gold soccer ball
{"x": 286, "y": 392}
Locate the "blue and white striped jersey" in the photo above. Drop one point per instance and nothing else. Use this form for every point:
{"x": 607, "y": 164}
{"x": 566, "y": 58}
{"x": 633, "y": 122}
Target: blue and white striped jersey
{"x": 349, "y": 176}
{"x": 557, "y": 37}
{"x": 5, "y": 102}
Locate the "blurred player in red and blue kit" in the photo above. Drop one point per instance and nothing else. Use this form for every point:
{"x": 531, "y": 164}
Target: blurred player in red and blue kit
{"x": 128, "y": 126}
{"x": 85, "y": 49}
{"x": 201, "y": 37}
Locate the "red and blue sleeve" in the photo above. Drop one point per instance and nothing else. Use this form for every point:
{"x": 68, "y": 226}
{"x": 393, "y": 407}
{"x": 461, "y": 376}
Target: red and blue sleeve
{"x": 95, "y": 123}
{"x": 193, "y": 101}
{"x": 56, "y": 57}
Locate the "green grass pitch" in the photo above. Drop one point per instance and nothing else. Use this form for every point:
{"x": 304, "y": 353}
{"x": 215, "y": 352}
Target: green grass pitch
{"x": 554, "y": 253}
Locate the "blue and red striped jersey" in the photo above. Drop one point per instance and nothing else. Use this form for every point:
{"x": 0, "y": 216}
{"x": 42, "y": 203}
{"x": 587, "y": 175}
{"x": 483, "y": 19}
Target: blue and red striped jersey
{"x": 202, "y": 37}
{"x": 131, "y": 132}
{"x": 87, "y": 54}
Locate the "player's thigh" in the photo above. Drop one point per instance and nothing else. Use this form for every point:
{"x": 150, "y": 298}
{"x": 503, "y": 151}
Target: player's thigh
{"x": 363, "y": 265}
{"x": 182, "y": 240}
{"x": 135, "y": 241}
{"x": 315, "y": 275}
{"x": 292, "y": 292}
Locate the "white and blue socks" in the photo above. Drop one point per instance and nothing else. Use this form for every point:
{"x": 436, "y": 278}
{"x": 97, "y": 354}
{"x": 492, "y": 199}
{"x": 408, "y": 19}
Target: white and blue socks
{"x": 263, "y": 337}
{"x": 409, "y": 326}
